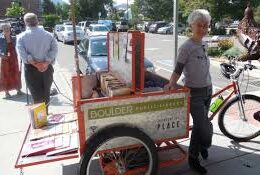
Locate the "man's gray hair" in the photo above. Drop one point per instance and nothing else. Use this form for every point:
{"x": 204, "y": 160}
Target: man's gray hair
{"x": 5, "y": 25}
{"x": 30, "y": 20}
{"x": 199, "y": 14}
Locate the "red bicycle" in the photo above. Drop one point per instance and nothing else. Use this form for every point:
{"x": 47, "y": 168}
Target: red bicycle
{"x": 236, "y": 112}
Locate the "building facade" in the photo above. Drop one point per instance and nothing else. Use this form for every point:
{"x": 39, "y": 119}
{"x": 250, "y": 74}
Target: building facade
{"x": 29, "y": 6}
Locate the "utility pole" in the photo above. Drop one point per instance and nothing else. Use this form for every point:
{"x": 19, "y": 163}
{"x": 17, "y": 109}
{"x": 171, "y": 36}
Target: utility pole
{"x": 127, "y": 10}
{"x": 175, "y": 31}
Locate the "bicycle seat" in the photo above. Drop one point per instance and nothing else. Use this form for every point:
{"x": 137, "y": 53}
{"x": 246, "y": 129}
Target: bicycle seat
{"x": 227, "y": 69}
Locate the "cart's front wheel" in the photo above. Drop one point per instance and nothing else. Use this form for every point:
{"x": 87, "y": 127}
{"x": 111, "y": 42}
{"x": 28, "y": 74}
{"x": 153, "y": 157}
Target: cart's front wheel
{"x": 102, "y": 158}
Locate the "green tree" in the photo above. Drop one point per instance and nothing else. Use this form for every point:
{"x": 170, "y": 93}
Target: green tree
{"x": 62, "y": 10}
{"x": 257, "y": 15}
{"x": 156, "y": 9}
{"x": 15, "y": 10}
{"x": 91, "y": 8}
{"x": 50, "y": 20}
{"x": 113, "y": 13}
{"x": 48, "y": 7}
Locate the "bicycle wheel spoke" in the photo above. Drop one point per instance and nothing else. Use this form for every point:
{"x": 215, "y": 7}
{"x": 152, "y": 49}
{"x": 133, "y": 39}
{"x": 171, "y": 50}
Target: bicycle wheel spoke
{"x": 239, "y": 125}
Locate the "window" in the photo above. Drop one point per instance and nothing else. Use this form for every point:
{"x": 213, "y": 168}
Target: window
{"x": 99, "y": 47}
{"x": 100, "y": 28}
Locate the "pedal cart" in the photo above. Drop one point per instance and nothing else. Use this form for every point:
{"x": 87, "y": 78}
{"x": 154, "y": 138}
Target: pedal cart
{"x": 123, "y": 122}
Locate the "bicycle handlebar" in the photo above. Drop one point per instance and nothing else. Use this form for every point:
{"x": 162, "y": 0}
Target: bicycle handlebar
{"x": 240, "y": 69}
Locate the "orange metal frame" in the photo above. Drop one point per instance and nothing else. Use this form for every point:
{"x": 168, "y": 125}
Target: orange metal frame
{"x": 169, "y": 142}
{"x": 51, "y": 159}
{"x": 78, "y": 102}
{"x": 234, "y": 91}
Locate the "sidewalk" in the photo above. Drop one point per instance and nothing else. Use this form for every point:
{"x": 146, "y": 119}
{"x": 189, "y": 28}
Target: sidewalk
{"x": 225, "y": 157}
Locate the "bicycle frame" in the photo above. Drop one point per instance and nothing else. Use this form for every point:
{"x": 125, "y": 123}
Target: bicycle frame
{"x": 235, "y": 90}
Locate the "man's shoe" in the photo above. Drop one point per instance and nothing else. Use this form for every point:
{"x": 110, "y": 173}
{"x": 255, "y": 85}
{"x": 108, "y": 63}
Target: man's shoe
{"x": 204, "y": 154}
{"x": 195, "y": 165}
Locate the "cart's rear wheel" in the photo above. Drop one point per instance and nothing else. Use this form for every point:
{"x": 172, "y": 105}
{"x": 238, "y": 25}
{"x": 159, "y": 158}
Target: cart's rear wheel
{"x": 140, "y": 158}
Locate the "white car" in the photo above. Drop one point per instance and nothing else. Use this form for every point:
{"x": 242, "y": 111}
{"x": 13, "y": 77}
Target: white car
{"x": 65, "y": 34}
{"x": 168, "y": 29}
{"x": 97, "y": 29}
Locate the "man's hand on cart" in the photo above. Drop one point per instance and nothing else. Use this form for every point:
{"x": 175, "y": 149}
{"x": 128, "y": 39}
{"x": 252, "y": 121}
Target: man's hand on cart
{"x": 169, "y": 87}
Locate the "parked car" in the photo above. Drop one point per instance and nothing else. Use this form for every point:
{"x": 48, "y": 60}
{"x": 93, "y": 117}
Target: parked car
{"x": 122, "y": 26}
{"x": 15, "y": 28}
{"x": 168, "y": 29}
{"x": 155, "y": 26}
{"x": 93, "y": 54}
{"x": 97, "y": 29}
{"x": 140, "y": 27}
{"x": 85, "y": 24}
{"x": 106, "y": 22}
{"x": 56, "y": 30}
{"x": 65, "y": 33}
{"x": 147, "y": 24}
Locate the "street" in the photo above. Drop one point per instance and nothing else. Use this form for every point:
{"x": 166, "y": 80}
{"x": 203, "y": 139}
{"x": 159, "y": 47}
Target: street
{"x": 159, "y": 50}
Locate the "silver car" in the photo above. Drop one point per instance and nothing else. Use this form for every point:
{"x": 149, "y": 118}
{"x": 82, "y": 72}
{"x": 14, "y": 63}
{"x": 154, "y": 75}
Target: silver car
{"x": 65, "y": 34}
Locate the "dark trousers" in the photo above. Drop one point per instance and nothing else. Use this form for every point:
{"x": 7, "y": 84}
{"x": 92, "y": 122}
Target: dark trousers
{"x": 39, "y": 83}
{"x": 202, "y": 130}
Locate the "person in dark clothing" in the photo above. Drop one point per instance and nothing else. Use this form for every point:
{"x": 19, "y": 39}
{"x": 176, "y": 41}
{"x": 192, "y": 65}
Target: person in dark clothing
{"x": 38, "y": 49}
{"x": 194, "y": 63}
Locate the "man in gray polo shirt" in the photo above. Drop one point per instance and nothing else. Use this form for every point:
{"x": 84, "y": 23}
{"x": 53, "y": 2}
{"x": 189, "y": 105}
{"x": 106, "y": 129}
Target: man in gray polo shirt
{"x": 193, "y": 62}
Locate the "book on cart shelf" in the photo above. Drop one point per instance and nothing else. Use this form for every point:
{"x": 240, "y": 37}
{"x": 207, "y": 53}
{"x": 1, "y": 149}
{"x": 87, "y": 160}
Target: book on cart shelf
{"x": 38, "y": 147}
{"x": 38, "y": 115}
{"x": 70, "y": 145}
{"x": 51, "y": 146}
{"x": 53, "y": 130}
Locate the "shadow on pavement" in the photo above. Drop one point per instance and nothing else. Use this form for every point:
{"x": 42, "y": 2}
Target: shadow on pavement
{"x": 241, "y": 154}
{"x": 70, "y": 169}
{"x": 19, "y": 98}
{"x": 56, "y": 101}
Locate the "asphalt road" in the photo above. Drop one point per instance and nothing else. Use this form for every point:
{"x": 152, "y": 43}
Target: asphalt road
{"x": 159, "y": 49}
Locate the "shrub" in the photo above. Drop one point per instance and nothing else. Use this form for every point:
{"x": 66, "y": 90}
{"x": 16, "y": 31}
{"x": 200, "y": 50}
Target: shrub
{"x": 219, "y": 31}
{"x": 50, "y": 20}
{"x": 187, "y": 32}
{"x": 225, "y": 44}
{"x": 214, "y": 52}
{"x": 233, "y": 32}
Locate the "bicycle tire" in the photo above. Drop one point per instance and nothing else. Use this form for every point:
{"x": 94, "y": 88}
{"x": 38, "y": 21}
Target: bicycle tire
{"x": 228, "y": 118}
{"x": 114, "y": 132}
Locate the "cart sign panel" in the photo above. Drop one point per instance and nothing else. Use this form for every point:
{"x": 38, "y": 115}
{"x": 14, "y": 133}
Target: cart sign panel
{"x": 160, "y": 116}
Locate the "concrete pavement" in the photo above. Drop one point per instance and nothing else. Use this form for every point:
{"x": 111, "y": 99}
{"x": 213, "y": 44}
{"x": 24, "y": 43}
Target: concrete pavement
{"x": 225, "y": 156}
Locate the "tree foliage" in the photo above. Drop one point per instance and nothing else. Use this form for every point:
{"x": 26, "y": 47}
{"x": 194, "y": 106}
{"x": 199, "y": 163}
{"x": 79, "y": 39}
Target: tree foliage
{"x": 91, "y": 8}
{"x": 50, "y": 20}
{"x": 62, "y": 10}
{"x": 257, "y": 15}
{"x": 48, "y": 7}
{"x": 15, "y": 10}
{"x": 154, "y": 9}
{"x": 219, "y": 9}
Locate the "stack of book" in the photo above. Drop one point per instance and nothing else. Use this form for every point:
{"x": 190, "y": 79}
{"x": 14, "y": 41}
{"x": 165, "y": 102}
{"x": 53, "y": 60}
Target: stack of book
{"x": 111, "y": 86}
